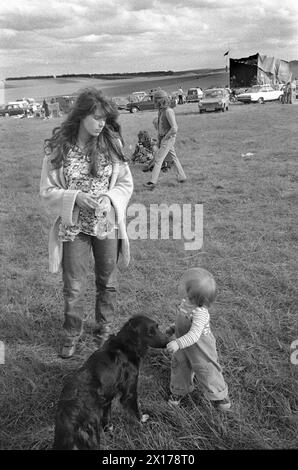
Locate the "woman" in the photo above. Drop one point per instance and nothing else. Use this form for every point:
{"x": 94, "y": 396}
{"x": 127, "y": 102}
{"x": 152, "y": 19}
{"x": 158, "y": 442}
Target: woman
{"x": 167, "y": 130}
{"x": 86, "y": 179}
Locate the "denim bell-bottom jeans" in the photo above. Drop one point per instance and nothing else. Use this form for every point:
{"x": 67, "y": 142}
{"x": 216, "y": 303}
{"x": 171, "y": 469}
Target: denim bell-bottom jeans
{"x": 75, "y": 264}
{"x": 167, "y": 148}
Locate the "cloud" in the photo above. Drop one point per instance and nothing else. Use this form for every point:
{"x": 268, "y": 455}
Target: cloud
{"x": 137, "y": 5}
{"x": 135, "y": 35}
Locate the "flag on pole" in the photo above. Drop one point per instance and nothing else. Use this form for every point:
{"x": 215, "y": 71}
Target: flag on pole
{"x": 226, "y": 53}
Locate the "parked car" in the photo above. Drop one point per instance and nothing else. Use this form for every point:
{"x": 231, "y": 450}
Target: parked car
{"x": 215, "y": 99}
{"x": 145, "y": 104}
{"x": 119, "y": 102}
{"x": 65, "y": 102}
{"x": 31, "y": 104}
{"x": 12, "y": 109}
{"x": 194, "y": 95}
{"x": 23, "y": 102}
{"x": 34, "y": 107}
{"x": 260, "y": 94}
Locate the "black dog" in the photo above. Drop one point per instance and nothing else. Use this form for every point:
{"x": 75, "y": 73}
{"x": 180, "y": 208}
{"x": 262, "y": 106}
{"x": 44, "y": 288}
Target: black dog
{"x": 84, "y": 406}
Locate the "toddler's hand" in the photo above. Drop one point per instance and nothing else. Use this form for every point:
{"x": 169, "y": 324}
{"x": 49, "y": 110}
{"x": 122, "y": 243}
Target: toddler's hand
{"x": 172, "y": 346}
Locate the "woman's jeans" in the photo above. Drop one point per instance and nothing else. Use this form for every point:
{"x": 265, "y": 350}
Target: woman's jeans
{"x": 167, "y": 148}
{"x": 75, "y": 264}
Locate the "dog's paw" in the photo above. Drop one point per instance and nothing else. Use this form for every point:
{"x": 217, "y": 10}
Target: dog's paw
{"x": 144, "y": 418}
{"x": 109, "y": 428}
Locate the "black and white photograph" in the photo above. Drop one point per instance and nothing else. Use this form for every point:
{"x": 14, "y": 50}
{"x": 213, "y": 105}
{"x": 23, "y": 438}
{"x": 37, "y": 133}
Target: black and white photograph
{"x": 148, "y": 211}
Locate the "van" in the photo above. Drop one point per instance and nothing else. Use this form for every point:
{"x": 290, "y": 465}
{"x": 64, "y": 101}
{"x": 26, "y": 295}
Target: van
{"x": 137, "y": 96}
{"x": 194, "y": 94}
{"x": 17, "y": 103}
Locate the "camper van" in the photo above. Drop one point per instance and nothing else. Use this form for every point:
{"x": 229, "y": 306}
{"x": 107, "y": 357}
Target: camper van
{"x": 137, "y": 96}
{"x": 194, "y": 94}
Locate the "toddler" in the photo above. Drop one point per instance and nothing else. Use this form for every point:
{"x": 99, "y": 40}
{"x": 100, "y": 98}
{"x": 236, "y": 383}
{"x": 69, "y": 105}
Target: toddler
{"x": 194, "y": 347}
{"x": 145, "y": 151}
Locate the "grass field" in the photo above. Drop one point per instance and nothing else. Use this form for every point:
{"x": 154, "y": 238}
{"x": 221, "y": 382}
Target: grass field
{"x": 250, "y": 245}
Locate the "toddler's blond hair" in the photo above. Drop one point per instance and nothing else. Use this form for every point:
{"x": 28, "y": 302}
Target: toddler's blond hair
{"x": 199, "y": 286}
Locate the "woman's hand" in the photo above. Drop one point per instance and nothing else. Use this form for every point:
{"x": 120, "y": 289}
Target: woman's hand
{"x": 85, "y": 201}
{"x": 104, "y": 205}
{"x": 172, "y": 346}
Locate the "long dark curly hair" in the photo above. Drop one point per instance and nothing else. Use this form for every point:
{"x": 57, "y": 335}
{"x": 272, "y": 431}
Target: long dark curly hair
{"x": 65, "y": 136}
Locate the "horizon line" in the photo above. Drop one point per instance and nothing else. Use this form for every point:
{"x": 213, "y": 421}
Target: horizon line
{"x": 162, "y": 72}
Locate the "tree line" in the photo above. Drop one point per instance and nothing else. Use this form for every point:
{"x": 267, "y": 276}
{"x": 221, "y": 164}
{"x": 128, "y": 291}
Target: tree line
{"x": 105, "y": 76}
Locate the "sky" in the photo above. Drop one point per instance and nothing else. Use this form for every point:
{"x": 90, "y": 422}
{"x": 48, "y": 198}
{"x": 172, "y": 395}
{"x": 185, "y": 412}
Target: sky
{"x": 52, "y": 37}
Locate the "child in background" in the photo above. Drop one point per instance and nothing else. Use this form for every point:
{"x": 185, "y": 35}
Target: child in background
{"x": 145, "y": 151}
{"x": 194, "y": 347}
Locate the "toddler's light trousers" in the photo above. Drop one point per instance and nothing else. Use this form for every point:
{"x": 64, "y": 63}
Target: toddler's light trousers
{"x": 200, "y": 360}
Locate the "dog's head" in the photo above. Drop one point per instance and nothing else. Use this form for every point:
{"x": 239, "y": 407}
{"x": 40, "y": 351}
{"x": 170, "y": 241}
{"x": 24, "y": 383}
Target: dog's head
{"x": 147, "y": 332}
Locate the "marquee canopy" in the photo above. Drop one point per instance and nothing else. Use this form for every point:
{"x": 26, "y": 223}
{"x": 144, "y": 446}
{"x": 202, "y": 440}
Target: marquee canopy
{"x": 258, "y": 69}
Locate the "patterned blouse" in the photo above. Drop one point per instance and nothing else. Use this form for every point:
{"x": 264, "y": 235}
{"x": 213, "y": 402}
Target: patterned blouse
{"x": 77, "y": 174}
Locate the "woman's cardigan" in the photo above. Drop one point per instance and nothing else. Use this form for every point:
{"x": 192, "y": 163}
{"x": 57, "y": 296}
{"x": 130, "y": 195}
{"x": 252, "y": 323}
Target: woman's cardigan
{"x": 54, "y": 192}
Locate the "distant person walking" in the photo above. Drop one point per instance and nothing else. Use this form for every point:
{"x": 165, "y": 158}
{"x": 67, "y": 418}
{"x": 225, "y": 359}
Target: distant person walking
{"x": 167, "y": 131}
{"x": 292, "y": 91}
{"x": 288, "y": 93}
{"x": 284, "y": 95}
{"x": 46, "y": 109}
{"x": 180, "y": 95}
